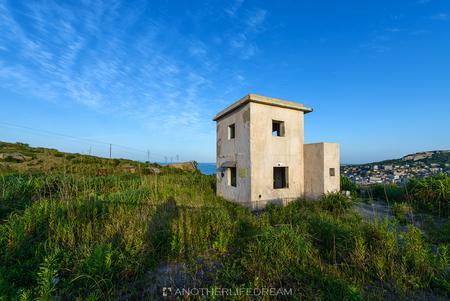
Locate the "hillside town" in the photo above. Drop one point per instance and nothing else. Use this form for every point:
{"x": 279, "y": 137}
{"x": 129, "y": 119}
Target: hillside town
{"x": 417, "y": 165}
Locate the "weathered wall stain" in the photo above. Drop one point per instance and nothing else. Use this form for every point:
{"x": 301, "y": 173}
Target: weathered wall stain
{"x": 246, "y": 116}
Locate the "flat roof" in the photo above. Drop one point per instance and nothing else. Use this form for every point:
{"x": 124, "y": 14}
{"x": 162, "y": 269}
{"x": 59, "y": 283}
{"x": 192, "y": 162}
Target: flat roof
{"x": 270, "y": 101}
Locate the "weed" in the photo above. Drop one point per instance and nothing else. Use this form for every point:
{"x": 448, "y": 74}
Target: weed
{"x": 402, "y": 211}
{"x": 70, "y": 234}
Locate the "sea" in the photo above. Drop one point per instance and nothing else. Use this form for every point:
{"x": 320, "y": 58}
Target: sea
{"x": 207, "y": 168}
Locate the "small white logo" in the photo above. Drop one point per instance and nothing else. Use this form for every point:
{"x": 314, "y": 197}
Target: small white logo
{"x": 167, "y": 291}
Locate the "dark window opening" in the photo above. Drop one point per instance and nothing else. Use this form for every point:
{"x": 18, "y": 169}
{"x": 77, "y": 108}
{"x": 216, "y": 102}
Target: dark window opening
{"x": 231, "y": 131}
{"x": 332, "y": 172}
{"x": 280, "y": 177}
{"x": 232, "y": 176}
{"x": 277, "y": 128}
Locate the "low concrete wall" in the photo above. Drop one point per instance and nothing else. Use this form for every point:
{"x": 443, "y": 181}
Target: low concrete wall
{"x": 314, "y": 170}
{"x": 319, "y": 158}
{"x": 190, "y": 165}
{"x": 332, "y": 160}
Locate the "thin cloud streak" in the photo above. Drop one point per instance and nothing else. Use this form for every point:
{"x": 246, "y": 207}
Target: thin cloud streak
{"x": 440, "y": 17}
{"x": 84, "y": 54}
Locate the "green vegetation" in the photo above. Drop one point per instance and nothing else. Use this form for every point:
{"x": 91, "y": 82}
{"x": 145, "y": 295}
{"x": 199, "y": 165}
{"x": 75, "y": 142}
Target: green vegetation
{"x": 20, "y": 157}
{"x": 402, "y": 211}
{"x": 431, "y": 194}
{"x": 80, "y": 235}
{"x": 348, "y": 185}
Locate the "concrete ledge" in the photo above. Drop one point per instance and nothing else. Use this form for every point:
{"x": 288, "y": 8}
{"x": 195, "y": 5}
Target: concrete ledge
{"x": 270, "y": 101}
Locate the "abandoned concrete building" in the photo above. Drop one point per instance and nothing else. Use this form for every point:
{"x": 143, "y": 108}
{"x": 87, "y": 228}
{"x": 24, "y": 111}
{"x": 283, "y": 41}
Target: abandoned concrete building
{"x": 262, "y": 158}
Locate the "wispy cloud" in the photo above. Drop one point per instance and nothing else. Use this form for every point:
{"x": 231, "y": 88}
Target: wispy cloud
{"x": 392, "y": 29}
{"x": 418, "y": 32}
{"x": 378, "y": 44}
{"x": 440, "y": 17}
{"x": 381, "y": 40}
{"x": 243, "y": 42}
{"x": 94, "y": 55}
{"x": 255, "y": 19}
{"x": 233, "y": 8}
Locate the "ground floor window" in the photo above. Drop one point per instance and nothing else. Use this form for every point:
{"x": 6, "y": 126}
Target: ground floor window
{"x": 280, "y": 177}
{"x": 232, "y": 176}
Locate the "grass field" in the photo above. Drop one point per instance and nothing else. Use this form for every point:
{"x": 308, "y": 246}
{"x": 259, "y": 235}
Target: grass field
{"x": 70, "y": 233}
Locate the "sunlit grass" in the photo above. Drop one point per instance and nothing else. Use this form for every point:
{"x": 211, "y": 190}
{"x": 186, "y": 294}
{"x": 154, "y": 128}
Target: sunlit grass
{"x": 76, "y": 235}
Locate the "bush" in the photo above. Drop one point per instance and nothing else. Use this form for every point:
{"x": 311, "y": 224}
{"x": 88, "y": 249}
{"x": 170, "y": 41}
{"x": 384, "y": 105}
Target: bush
{"x": 348, "y": 185}
{"x": 335, "y": 202}
{"x": 388, "y": 192}
{"x": 402, "y": 212}
{"x": 11, "y": 159}
{"x": 431, "y": 193}
{"x": 70, "y": 157}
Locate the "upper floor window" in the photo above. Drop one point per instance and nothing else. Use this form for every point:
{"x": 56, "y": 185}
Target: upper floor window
{"x": 231, "y": 131}
{"x": 277, "y": 128}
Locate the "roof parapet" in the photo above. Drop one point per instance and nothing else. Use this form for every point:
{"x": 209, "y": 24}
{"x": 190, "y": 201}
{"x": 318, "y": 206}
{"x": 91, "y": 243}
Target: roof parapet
{"x": 262, "y": 100}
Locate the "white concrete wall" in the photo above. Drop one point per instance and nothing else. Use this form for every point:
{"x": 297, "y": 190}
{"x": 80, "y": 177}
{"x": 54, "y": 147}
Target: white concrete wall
{"x": 267, "y": 152}
{"x": 332, "y": 160}
{"x": 238, "y": 150}
{"x": 319, "y": 158}
{"x": 314, "y": 170}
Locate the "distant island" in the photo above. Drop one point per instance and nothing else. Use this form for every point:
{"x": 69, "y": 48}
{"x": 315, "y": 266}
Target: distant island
{"x": 418, "y": 165}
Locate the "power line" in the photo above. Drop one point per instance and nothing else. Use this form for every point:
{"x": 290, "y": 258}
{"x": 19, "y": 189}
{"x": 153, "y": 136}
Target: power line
{"x": 83, "y": 140}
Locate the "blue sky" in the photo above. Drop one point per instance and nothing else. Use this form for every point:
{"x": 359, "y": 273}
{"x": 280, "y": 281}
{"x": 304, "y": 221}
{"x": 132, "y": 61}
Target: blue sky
{"x": 150, "y": 75}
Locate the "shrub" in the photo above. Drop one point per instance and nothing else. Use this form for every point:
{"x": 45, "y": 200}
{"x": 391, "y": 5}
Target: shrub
{"x": 348, "y": 185}
{"x": 431, "y": 193}
{"x": 388, "y": 192}
{"x": 402, "y": 212}
{"x": 417, "y": 257}
{"x": 335, "y": 202}
{"x": 70, "y": 157}
{"x": 11, "y": 159}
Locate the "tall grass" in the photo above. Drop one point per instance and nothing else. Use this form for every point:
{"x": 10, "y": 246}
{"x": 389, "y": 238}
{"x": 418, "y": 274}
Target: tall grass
{"x": 430, "y": 194}
{"x": 69, "y": 236}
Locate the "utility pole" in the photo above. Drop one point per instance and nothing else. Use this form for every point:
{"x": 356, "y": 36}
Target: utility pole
{"x": 148, "y": 156}
{"x": 110, "y": 150}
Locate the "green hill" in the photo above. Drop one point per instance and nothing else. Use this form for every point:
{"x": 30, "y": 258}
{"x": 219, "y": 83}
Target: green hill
{"x": 439, "y": 157}
{"x": 20, "y": 157}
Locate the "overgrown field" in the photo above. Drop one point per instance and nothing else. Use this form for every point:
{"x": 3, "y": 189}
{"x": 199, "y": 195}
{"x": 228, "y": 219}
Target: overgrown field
{"x": 126, "y": 236}
{"x": 430, "y": 194}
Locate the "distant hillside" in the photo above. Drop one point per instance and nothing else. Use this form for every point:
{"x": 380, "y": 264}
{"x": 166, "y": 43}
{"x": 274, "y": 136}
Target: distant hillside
{"x": 438, "y": 157}
{"x": 20, "y": 157}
